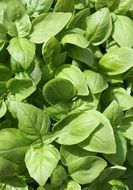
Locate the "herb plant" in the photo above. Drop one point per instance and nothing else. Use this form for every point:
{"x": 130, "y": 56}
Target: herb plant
{"x": 66, "y": 86}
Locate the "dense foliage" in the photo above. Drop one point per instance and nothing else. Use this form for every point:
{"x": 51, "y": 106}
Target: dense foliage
{"x": 66, "y": 86}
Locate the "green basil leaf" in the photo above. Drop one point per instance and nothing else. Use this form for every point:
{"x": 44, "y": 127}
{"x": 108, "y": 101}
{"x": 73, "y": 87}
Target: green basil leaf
{"x": 5, "y": 72}
{"x": 72, "y": 185}
{"x": 102, "y": 138}
{"x": 46, "y": 26}
{"x": 114, "y": 113}
{"x": 75, "y": 127}
{"x": 59, "y": 176}
{"x": 22, "y": 50}
{"x": 121, "y": 151}
{"x": 95, "y": 81}
{"x": 71, "y": 153}
{"x": 3, "y": 108}
{"x": 126, "y": 127}
{"x": 75, "y": 39}
{"x": 16, "y": 20}
{"x": 20, "y": 88}
{"x": 33, "y": 122}
{"x": 99, "y": 26}
{"x": 121, "y": 26}
{"x": 57, "y": 90}
{"x": 75, "y": 76}
{"x": 45, "y": 160}
{"x": 36, "y": 7}
{"x": 124, "y": 99}
{"x": 81, "y": 54}
{"x": 84, "y": 170}
{"x": 117, "y": 61}
{"x": 64, "y": 6}
{"x": 112, "y": 172}
{"x": 13, "y": 145}
{"x": 7, "y": 168}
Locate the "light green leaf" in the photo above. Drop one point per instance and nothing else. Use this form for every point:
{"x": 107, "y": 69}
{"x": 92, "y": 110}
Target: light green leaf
{"x": 118, "y": 185}
{"x": 64, "y": 6}
{"x": 117, "y": 61}
{"x": 16, "y": 20}
{"x": 85, "y": 103}
{"x": 13, "y": 145}
{"x": 50, "y": 50}
{"x": 22, "y": 50}
{"x": 58, "y": 111}
{"x": 84, "y": 55}
{"x": 122, "y": 31}
{"x": 75, "y": 127}
{"x": 33, "y": 122}
{"x": 45, "y": 160}
{"x": 119, "y": 94}
{"x": 46, "y": 26}
{"x": 123, "y": 6}
{"x": 36, "y": 7}
{"x": 75, "y": 76}
{"x": 121, "y": 151}
{"x": 99, "y": 26}
{"x": 57, "y": 90}
{"x": 75, "y": 39}
{"x": 95, "y": 81}
{"x": 3, "y": 108}
{"x": 126, "y": 127}
{"x": 20, "y": 88}
{"x": 86, "y": 169}
{"x": 71, "y": 153}
{"x": 81, "y": 4}
{"x": 102, "y": 138}
{"x": 72, "y": 185}
{"x": 7, "y": 168}
{"x": 114, "y": 113}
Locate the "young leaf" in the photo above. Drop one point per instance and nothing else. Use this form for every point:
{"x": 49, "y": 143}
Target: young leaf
{"x": 13, "y": 145}
{"x": 75, "y": 39}
{"x": 125, "y": 101}
{"x": 16, "y": 20}
{"x": 72, "y": 185}
{"x": 45, "y": 160}
{"x": 95, "y": 81}
{"x": 81, "y": 54}
{"x": 75, "y": 127}
{"x": 102, "y": 138}
{"x": 20, "y": 88}
{"x": 114, "y": 113}
{"x": 99, "y": 26}
{"x": 22, "y": 50}
{"x": 46, "y": 26}
{"x": 121, "y": 151}
{"x": 33, "y": 122}
{"x": 57, "y": 90}
{"x": 121, "y": 26}
{"x": 117, "y": 61}
{"x": 3, "y": 108}
{"x": 75, "y": 76}
{"x": 84, "y": 170}
{"x": 36, "y": 7}
{"x": 71, "y": 153}
{"x": 64, "y": 6}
